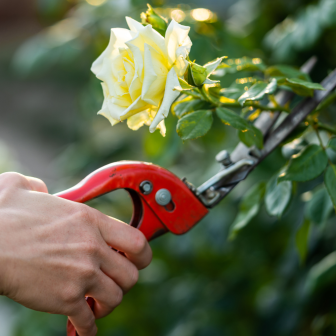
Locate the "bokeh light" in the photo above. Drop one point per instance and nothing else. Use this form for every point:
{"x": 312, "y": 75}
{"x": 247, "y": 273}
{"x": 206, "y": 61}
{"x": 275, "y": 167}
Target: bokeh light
{"x": 201, "y": 14}
{"x": 63, "y": 141}
{"x": 95, "y": 2}
{"x": 178, "y": 15}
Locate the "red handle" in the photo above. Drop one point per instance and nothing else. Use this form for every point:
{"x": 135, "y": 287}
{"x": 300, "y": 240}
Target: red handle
{"x": 153, "y": 219}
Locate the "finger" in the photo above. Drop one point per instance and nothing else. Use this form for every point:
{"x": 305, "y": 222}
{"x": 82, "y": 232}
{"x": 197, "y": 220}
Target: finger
{"x": 83, "y": 319}
{"x": 125, "y": 238}
{"x": 123, "y": 272}
{"x": 37, "y": 184}
{"x": 107, "y": 295}
{"x": 25, "y": 182}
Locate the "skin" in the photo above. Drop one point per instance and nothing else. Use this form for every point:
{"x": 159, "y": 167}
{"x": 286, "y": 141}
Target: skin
{"x": 54, "y": 252}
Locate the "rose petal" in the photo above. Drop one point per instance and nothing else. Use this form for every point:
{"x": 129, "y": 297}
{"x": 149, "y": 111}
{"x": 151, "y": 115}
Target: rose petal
{"x": 136, "y": 47}
{"x": 169, "y": 96}
{"x": 118, "y": 38}
{"x": 176, "y": 36}
{"x": 121, "y": 113}
{"x": 105, "y": 113}
{"x": 154, "y": 76}
{"x": 138, "y": 120}
{"x": 149, "y": 35}
{"x": 133, "y": 25}
{"x": 162, "y": 128}
{"x": 135, "y": 88}
{"x": 104, "y": 68}
{"x": 105, "y": 110}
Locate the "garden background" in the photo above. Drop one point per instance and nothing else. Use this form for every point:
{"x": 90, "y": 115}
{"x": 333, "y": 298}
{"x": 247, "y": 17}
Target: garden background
{"x": 199, "y": 284}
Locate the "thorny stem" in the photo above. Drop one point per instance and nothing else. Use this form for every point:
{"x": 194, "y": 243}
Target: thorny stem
{"x": 257, "y": 106}
{"x": 273, "y": 100}
{"x": 321, "y": 142}
{"x": 325, "y": 127}
{"x": 319, "y": 138}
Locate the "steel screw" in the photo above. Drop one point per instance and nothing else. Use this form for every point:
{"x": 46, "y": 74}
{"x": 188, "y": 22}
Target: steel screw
{"x": 146, "y": 187}
{"x": 224, "y": 158}
{"x": 211, "y": 192}
{"x": 256, "y": 152}
{"x": 163, "y": 197}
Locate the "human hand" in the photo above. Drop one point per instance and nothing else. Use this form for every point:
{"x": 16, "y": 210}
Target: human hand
{"x": 54, "y": 252}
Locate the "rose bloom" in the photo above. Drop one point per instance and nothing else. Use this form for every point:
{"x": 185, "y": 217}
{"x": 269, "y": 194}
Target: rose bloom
{"x": 139, "y": 70}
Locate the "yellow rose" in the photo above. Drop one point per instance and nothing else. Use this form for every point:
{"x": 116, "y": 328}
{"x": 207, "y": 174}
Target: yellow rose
{"x": 139, "y": 70}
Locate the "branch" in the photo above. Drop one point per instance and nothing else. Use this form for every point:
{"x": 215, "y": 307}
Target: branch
{"x": 258, "y": 106}
{"x": 325, "y": 127}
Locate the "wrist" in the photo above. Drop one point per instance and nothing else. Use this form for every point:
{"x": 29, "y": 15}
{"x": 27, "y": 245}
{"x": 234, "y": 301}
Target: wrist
{"x": 3, "y": 242}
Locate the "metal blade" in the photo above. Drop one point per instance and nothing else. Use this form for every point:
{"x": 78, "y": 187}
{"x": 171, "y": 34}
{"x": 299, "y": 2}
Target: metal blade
{"x": 215, "y": 189}
{"x": 299, "y": 113}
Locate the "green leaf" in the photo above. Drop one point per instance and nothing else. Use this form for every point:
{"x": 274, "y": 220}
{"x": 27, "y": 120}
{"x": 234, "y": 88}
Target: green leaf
{"x": 158, "y": 22}
{"x": 242, "y": 64}
{"x": 330, "y": 183}
{"x": 305, "y": 166}
{"x": 194, "y": 125}
{"x": 326, "y": 102}
{"x": 231, "y": 118}
{"x": 197, "y": 74}
{"x": 188, "y": 89}
{"x": 252, "y": 137}
{"x": 286, "y": 71}
{"x": 293, "y": 148}
{"x": 248, "y": 134}
{"x": 185, "y": 85}
{"x": 213, "y": 65}
{"x": 297, "y": 133}
{"x": 237, "y": 88}
{"x": 258, "y": 90}
{"x": 301, "y": 240}
{"x": 322, "y": 274}
{"x": 332, "y": 144}
{"x": 318, "y": 209}
{"x": 300, "y": 87}
{"x": 277, "y": 196}
{"x": 188, "y": 105}
{"x": 249, "y": 208}
{"x": 211, "y": 93}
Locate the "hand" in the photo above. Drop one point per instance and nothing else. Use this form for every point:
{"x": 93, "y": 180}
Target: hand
{"x": 54, "y": 252}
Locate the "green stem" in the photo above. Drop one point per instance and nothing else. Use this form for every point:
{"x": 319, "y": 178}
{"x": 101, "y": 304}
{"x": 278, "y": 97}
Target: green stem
{"x": 258, "y": 106}
{"x": 327, "y": 101}
{"x": 325, "y": 127}
{"x": 319, "y": 138}
{"x": 321, "y": 143}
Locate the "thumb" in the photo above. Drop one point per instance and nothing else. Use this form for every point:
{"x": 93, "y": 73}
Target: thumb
{"x": 21, "y": 181}
{"x": 37, "y": 184}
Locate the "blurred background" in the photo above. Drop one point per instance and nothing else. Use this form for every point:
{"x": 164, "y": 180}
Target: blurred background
{"x": 198, "y": 284}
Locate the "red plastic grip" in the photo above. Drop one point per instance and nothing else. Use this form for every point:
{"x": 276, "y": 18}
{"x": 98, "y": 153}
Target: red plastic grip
{"x": 188, "y": 210}
{"x": 151, "y": 218}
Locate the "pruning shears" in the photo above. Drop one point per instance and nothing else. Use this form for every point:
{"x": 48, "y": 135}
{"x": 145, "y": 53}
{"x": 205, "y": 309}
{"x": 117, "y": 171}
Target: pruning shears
{"x": 162, "y": 202}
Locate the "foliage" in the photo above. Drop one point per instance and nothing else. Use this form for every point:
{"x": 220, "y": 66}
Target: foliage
{"x": 202, "y": 283}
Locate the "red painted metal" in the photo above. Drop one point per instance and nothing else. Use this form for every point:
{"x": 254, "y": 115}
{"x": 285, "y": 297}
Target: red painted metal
{"x": 148, "y": 216}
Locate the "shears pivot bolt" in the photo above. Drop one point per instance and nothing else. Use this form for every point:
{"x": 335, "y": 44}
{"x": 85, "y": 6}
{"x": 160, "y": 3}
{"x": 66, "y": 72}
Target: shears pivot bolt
{"x": 224, "y": 158}
{"x": 146, "y": 187}
{"x": 163, "y": 197}
{"x": 211, "y": 192}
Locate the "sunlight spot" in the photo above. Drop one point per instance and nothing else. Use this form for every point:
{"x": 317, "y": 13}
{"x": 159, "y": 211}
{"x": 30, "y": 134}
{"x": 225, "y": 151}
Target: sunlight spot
{"x": 95, "y": 2}
{"x": 307, "y": 196}
{"x": 256, "y": 60}
{"x": 201, "y": 14}
{"x": 178, "y": 15}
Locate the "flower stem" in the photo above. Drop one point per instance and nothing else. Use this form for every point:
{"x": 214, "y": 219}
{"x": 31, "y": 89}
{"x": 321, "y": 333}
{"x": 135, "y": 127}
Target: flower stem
{"x": 258, "y": 106}
{"x": 321, "y": 142}
{"x": 325, "y": 127}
